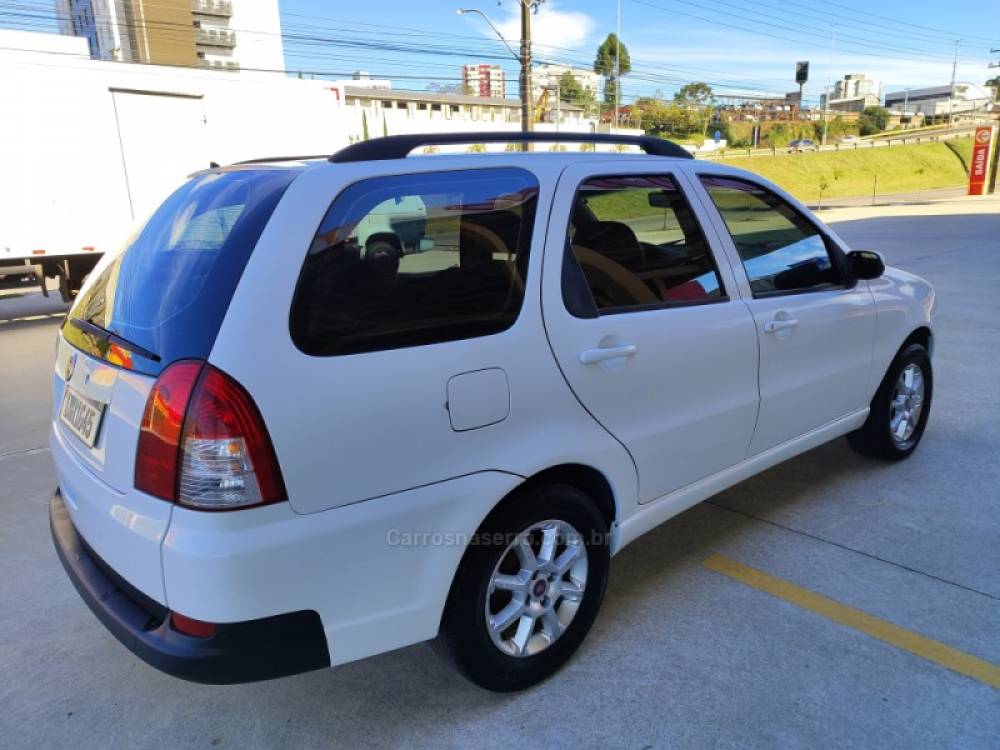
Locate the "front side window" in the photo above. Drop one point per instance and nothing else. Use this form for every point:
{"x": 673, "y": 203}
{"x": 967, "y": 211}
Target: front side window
{"x": 638, "y": 244}
{"x": 781, "y": 250}
{"x": 416, "y": 259}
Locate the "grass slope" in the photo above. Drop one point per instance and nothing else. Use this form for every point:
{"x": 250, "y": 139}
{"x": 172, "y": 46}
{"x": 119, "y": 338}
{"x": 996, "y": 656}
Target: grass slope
{"x": 900, "y": 169}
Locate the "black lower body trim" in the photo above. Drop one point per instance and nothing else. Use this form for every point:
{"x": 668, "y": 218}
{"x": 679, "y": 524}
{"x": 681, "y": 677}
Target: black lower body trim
{"x": 247, "y": 651}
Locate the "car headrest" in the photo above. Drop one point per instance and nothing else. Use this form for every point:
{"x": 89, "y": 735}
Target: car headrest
{"x": 612, "y": 239}
{"x": 483, "y": 234}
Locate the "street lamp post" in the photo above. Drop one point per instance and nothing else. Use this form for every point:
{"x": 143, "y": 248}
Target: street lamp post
{"x": 523, "y": 58}
{"x": 829, "y": 76}
{"x": 618, "y": 60}
{"x": 951, "y": 91}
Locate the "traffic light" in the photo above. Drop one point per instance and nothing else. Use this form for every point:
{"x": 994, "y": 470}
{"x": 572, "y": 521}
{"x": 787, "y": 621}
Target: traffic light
{"x": 802, "y": 72}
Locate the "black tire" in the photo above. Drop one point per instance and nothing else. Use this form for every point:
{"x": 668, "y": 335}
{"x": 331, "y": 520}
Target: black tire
{"x": 383, "y": 256}
{"x": 874, "y": 438}
{"x": 464, "y": 638}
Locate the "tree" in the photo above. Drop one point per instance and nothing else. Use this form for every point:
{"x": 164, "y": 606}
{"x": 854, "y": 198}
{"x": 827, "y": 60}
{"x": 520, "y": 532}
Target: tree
{"x": 994, "y": 83}
{"x": 697, "y": 93}
{"x": 873, "y": 120}
{"x": 570, "y": 89}
{"x": 668, "y": 118}
{"x": 607, "y": 64}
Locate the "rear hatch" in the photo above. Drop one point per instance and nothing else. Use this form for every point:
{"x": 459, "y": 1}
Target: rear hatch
{"x": 161, "y": 299}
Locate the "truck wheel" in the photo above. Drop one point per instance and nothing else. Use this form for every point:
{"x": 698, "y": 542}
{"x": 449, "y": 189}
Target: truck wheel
{"x": 900, "y": 408}
{"x": 528, "y": 588}
{"x": 383, "y": 256}
{"x": 65, "y": 291}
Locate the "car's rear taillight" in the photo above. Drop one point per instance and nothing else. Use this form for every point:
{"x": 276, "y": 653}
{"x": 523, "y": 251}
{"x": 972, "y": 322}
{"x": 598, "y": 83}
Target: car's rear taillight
{"x": 160, "y": 432}
{"x": 203, "y": 443}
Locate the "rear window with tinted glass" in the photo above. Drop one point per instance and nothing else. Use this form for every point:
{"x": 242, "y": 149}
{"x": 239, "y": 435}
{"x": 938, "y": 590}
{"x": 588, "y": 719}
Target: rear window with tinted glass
{"x": 169, "y": 289}
{"x": 416, "y": 259}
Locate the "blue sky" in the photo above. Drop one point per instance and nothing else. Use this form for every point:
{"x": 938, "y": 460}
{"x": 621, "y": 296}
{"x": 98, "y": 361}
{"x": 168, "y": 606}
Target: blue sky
{"x": 737, "y": 46}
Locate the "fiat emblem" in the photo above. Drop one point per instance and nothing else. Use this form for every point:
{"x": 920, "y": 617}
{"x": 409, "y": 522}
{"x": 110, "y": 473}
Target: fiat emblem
{"x": 70, "y": 366}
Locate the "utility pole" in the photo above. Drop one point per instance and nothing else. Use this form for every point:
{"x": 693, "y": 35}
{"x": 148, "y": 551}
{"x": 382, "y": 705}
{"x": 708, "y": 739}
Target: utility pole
{"x": 992, "y": 187}
{"x": 527, "y": 116}
{"x": 829, "y": 76}
{"x": 618, "y": 60}
{"x": 951, "y": 91}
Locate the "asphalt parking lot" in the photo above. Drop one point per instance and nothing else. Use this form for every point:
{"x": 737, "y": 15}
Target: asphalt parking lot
{"x": 687, "y": 652}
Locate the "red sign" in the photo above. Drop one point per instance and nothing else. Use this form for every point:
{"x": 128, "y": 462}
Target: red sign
{"x": 979, "y": 167}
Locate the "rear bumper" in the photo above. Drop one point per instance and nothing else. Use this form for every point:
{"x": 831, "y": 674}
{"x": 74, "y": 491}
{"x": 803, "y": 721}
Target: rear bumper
{"x": 246, "y": 651}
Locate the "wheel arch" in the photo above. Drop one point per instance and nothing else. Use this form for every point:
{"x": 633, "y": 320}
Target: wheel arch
{"x": 921, "y": 335}
{"x": 588, "y": 480}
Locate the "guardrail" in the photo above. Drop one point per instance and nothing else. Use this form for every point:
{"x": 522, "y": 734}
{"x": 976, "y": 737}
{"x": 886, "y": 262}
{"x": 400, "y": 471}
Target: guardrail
{"x": 880, "y": 142}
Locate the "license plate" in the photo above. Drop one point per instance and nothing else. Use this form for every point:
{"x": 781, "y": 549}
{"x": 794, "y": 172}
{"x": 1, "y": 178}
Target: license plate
{"x": 81, "y": 415}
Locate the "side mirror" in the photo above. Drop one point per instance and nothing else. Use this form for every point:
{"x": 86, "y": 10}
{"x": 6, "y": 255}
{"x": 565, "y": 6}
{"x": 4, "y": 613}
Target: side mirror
{"x": 659, "y": 200}
{"x": 865, "y": 264}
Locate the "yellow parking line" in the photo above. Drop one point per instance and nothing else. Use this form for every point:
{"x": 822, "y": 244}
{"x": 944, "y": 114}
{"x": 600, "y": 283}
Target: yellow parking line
{"x": 926, "y": 648}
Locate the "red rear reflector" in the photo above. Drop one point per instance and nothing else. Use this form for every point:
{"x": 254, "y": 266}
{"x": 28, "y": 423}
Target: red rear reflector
{"x": 158, "y": 453}
{"x": 192, "y": 627}
{"x": 88, "y": 248}
{"x": 38, "y": 252}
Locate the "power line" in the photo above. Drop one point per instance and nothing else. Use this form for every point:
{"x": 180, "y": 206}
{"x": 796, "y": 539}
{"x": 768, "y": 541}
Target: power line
{"x": 809, "y": 35}
{"x": 949, "y": 35}
{"x": 307, "y": 42}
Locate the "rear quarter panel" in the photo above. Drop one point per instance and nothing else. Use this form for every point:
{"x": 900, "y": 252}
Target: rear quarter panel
{"x": 351, "y": 428}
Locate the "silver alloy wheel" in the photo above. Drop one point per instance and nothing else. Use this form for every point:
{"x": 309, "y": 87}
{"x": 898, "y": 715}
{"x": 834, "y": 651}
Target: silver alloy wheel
{"x": 536, "y": 588}
{"x": 907, "y": 404}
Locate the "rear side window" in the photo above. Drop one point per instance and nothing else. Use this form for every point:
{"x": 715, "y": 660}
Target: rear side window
{"x": 639, "y": 245}
{"x": 416, "y": 259}
{"x": 782, "y": 251}
{"x": 170, "y": 287}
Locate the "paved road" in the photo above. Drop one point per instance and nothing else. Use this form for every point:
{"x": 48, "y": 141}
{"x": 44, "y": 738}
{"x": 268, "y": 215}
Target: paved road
{"x": 680, "y": 657}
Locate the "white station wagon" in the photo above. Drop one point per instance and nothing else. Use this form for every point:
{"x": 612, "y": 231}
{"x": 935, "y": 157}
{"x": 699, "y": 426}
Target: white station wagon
{"x": 278, "y": 449}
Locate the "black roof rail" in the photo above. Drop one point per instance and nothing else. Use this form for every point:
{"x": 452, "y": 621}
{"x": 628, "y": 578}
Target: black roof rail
{"x": 400, "y": 146}
{"x": 265, "y": 159}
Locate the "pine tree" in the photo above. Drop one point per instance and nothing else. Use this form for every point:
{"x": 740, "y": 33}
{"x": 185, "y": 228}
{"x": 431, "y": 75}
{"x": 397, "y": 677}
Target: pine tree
{"x": 605, "y": 64}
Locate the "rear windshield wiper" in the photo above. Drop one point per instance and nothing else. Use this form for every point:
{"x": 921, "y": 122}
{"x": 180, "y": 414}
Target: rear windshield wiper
{"x": 112, "y": 338}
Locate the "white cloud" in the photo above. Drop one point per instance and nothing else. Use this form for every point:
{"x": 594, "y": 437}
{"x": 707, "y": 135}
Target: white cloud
{"x": 549, "y": 26}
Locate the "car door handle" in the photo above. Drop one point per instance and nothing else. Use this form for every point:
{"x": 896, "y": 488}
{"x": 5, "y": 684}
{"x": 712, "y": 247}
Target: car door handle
{"x": 773, "y": 326}
{"x": 593, "y": 356}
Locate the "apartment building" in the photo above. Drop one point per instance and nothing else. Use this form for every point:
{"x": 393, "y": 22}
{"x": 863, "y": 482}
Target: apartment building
{"x": 215, "y": 34}
{"x": 484, "y": 80}
{"x": 852, "y": 93}
{"x": 547, "y": 76}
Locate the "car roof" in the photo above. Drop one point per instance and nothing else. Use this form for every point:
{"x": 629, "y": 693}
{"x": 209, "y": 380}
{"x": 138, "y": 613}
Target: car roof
{"x": 457, "y": 159}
